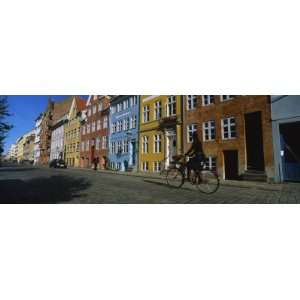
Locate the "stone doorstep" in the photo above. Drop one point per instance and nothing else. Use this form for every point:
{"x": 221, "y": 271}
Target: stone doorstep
{"x": 231, "y": 183}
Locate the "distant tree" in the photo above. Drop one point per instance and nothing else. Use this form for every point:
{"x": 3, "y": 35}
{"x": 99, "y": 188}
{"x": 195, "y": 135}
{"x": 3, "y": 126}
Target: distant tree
{"x": 4, "y": 126}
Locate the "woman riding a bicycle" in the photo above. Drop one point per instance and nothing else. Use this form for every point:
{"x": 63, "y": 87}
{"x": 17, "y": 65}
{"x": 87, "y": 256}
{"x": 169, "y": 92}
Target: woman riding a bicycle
{"x": 196, "y": 155}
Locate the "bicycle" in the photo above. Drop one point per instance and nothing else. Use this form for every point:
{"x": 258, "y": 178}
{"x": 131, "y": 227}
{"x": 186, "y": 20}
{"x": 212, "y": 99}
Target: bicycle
{"x": 204, "y": 179}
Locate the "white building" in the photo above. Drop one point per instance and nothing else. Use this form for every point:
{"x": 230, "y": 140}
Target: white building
{"x": 37, "y": 150}
{"x": 12, "y": 153}
{"x": 57, "y": 139}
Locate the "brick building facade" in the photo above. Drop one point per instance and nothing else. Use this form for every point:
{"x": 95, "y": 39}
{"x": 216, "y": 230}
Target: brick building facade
{"x": 45, "y": 133}
{"x": 236, "y": 133}
{"x": 95, "y": 132}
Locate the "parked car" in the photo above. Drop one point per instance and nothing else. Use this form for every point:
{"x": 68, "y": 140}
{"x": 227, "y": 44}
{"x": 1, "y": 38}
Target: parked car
{"x": 58, "y": 163}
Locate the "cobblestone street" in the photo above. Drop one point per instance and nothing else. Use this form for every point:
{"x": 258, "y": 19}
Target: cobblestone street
{"x": 44, "y": 185}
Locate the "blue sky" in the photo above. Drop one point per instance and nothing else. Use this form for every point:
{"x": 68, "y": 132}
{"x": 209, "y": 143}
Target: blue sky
{"x": 24, "y": 110}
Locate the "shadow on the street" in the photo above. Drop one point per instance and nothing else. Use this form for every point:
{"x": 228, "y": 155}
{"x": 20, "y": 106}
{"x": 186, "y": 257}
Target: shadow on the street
{"x": 55, "y": 189}
{"x": 164, "y": 184}
{"x": 17, "y": 169}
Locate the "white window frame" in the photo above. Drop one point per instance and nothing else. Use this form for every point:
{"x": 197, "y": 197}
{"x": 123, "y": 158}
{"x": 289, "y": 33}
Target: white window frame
{"x": 157, "y": 110}
{"x": 146, "y": 113}
{"x": 191, "y": 102}
{"x": 171, "y": 106}
{"x": 145, "y": 144}
{"x": 229, "y": 126}
{"x": 209, "y": 127}
{"x": 191, "y": 128}
{"x": 209, "y": 100}
{"x": 157, "y": 143}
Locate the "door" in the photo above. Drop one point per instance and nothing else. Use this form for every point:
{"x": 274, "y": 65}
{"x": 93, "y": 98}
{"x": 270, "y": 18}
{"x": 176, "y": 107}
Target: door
{"x": 290, "y": 150}
{"x": 172, "y": 146}
{"x": 133, "y": 153}
{"x": 231, "y": 164}
{"x": 254, "y": 141}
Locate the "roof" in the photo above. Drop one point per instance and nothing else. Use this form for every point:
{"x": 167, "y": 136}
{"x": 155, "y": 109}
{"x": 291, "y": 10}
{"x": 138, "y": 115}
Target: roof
{"x": 80, "y": 103}
{"x": 61, "y": 108}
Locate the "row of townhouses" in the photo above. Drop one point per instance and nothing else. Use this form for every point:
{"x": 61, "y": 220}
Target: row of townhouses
{"x": 244, "y": 137}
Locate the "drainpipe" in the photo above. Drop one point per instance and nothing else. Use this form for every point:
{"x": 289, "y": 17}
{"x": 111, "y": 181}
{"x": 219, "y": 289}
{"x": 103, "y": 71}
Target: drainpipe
{"x": 138, "y": 135}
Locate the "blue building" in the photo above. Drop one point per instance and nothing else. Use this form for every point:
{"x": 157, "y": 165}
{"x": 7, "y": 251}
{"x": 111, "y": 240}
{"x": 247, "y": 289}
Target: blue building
{"x": 124, "y": 128}
{"x": 286, "y": 133}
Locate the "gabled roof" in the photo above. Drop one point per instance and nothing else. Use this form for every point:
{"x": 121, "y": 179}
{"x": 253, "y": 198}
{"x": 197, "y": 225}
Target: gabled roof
{"x": 62, "y": 108}
{"x": 80, "y": 103}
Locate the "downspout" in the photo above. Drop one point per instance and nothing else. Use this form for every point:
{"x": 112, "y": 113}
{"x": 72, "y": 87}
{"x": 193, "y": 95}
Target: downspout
{"x": 138, "y": 135}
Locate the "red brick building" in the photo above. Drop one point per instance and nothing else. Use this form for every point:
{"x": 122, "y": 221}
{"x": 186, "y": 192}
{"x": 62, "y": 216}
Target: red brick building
{"x": 236, "y": 133}
{"x": 45, "y": 133}
{"x": 95, "y": 132}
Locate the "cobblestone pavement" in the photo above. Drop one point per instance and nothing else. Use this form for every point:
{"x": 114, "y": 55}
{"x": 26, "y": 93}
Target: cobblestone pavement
{"x": 44, "y": 185}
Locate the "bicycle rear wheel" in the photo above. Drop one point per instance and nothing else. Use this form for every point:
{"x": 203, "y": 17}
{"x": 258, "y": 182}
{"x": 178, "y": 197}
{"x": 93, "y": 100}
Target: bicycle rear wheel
{"x": 175, "y": 177}
{"x": 208, "y": 182}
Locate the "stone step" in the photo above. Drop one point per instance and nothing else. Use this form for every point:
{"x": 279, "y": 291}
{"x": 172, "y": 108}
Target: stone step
{"x": 254, "y": 175}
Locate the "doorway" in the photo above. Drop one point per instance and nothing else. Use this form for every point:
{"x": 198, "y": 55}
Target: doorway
{"x": 290, "y": 150}
{"x": 254, "y": 141}
{"x": 171, "y": 147}
{"x": 133, "y": 153}
{"x": 231, "y": 164}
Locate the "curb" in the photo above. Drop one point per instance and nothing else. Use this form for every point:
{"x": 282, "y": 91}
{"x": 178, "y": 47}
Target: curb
{"x": 230, "y": 183}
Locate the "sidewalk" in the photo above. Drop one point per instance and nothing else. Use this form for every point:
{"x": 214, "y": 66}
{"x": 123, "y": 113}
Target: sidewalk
{"x": 232, "y": 183}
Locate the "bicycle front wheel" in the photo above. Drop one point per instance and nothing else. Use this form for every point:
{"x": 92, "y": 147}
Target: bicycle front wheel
{"x": 208, "y": 182}
{"x": 175, "y": 177}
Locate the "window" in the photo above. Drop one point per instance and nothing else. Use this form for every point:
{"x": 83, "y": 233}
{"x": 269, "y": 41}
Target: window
{"x": 126, "y": 123}
{"x": 209, "y": 131}
{"x": 89, "y": 112}
{"x": 190, "y": 131}
{"x": 145, "y": 144}
{"x": 125, "y": 146}
{"x": 208, "y": 99}
{"x": 146, "y": 113}
{"x": 133, "y": 122}
{"x": 104, "y": 142}
{"x": 105, "y": 122}
{"x": 87, "y": 145}
{"x": 211, "y": 163}
{"x": 125, "y": 104}
{"x": 88, "y": 128}
{"x": 93, "y": 142}
{"x": 171, "y": 106}
{"x": 100, "y": 107}
{"x": 228, "y": 128}
{"x": 83, "y": 130}
{"x": 191, "y": 102}
{"x": 119, "y": 125}
{"x": 157, "y": 110}
{"x": 94, "y": 109}
{"x": 114, "y": 127}
{"x": 82, "y": 146}
{"x": 119, "y": 107}
{"x": 113, "y": 109}
{"x": 113, "y": 147}
{"x": 119, "y": 147}
{"x": 145, "y": 166}
{"x": 118, "y": 166}
{"x": 133, "y": 100}
{"x": 156, "y": 166}
{"x": 226, "y": 97}
{"x": 98, "y": 124}
{"x": 93, "y": 126}
{"x": 157, "y": 143}
{"x": 97, "y": 143}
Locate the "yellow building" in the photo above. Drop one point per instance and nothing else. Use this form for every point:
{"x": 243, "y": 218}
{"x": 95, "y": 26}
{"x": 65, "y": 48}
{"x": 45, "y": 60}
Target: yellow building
{"x": 21, "y": 145}
{"x": 72, "y": 133}
{"x": 160, "y": 131}
{"x": 20, "y": 149}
